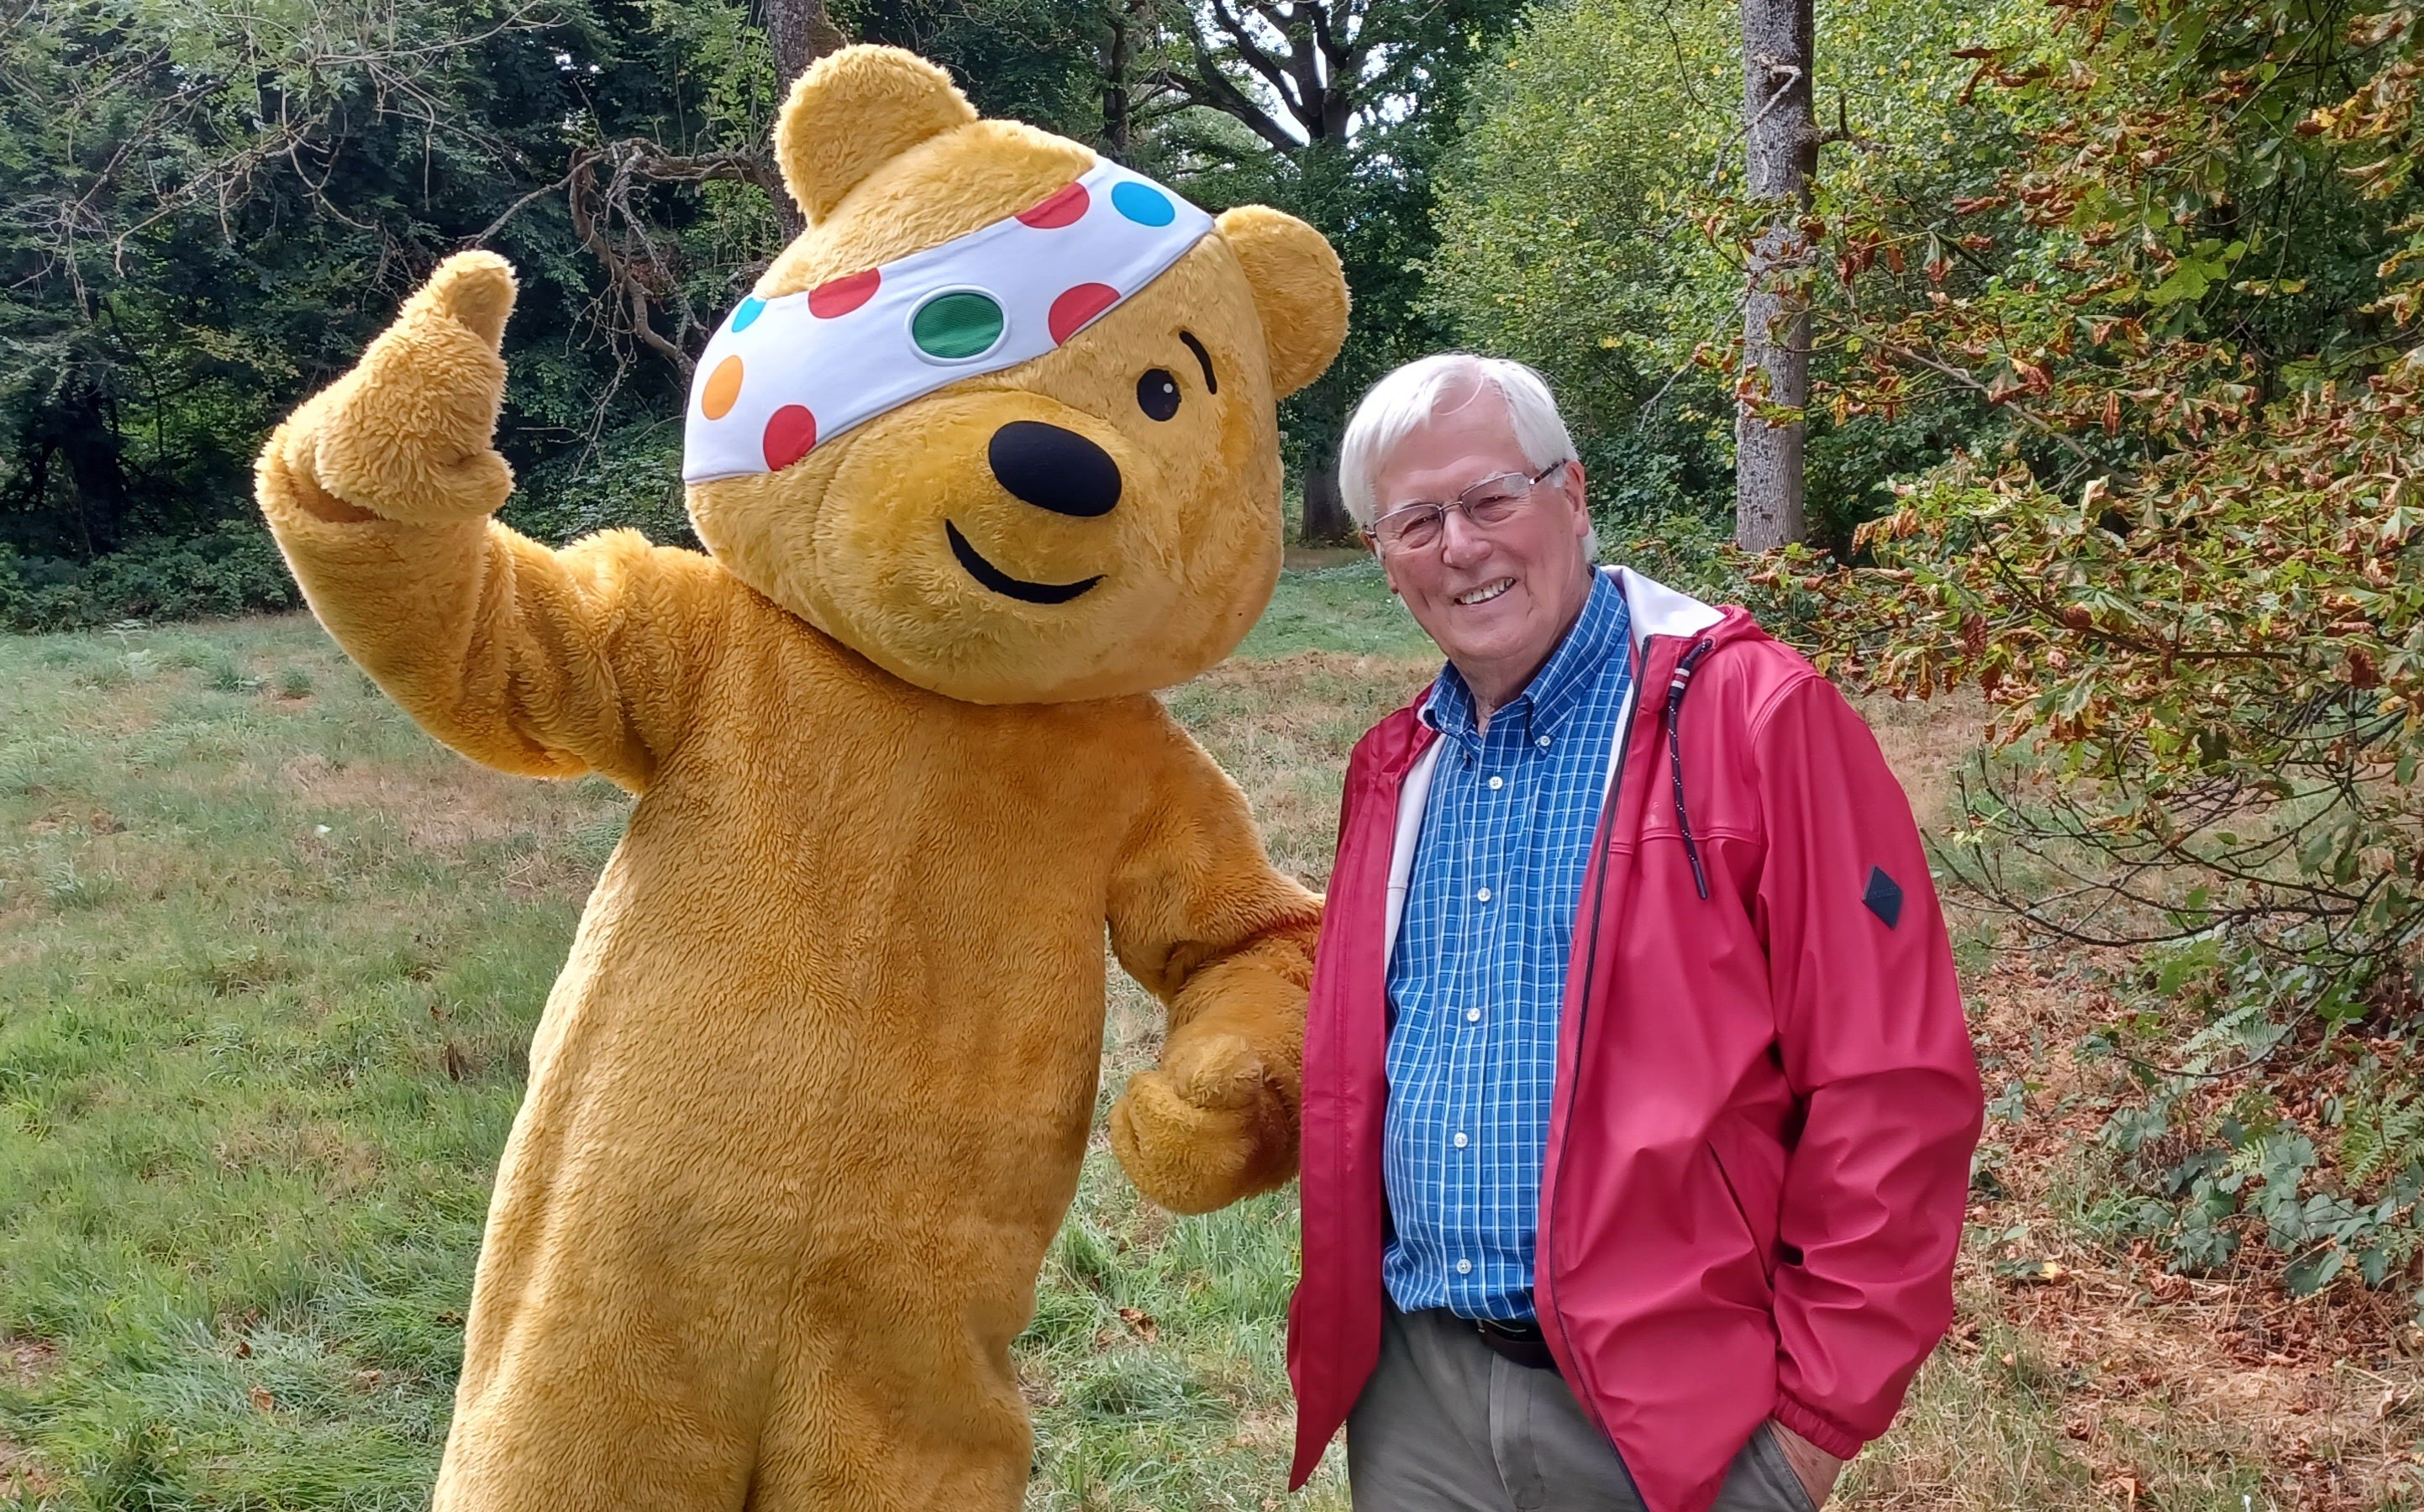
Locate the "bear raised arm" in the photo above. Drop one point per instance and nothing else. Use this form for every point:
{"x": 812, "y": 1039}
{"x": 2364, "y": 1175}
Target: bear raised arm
{"x": 379, "y": 490}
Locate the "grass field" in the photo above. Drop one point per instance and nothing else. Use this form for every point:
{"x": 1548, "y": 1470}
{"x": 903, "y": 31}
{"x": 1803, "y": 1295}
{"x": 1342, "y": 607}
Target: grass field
{"x": 269, "y": 960}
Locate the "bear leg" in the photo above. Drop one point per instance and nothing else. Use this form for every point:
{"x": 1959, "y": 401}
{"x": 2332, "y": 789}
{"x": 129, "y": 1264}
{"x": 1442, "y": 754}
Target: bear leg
{"x": 907, "y": 1415}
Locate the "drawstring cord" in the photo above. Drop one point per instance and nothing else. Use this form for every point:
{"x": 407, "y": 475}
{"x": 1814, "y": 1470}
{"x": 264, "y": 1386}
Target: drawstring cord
{"x": 1675, "y": 691}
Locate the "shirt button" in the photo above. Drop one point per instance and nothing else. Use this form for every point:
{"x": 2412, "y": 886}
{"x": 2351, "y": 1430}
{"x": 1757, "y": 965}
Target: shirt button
{"x": 1482, "y": 896}
{"x": 1464, "y": 1268}
{"x": 1496, "y": 783}
{"x": 1463, "y": 1140}
{"x": 1473, "y": 1015}
{"x": 1542, "y": 742}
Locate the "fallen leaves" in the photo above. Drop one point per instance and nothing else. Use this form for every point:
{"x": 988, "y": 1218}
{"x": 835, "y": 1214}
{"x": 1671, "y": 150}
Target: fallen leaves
{"x": 30, "y": 1361}
{"x": 2155, "y": 1372}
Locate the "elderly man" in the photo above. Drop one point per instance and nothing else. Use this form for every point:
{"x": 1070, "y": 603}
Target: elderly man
{"x": 1638, "y": 1103}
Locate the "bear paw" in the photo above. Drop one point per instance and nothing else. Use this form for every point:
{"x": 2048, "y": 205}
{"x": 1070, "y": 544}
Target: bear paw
{"x": 1206, "y": 1128}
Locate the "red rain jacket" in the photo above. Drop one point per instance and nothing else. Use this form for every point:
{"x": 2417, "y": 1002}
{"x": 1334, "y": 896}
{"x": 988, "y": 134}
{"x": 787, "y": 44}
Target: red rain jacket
{"x": 1758, "y": 1149}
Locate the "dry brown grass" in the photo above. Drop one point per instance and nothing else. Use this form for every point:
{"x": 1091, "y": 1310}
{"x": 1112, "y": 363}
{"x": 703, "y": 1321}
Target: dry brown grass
{"x": 440, "y": 806}
{"x": 30, "y": 1361}
{"x": 1282, "y": 728}
{"x": 1926, "y": 743}
{"x": 23, "y": 1475}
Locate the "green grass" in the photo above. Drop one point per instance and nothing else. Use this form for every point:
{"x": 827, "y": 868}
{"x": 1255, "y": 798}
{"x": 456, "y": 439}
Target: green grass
{"x": 1347, "y": 609}
{"x": 269, "y": 962}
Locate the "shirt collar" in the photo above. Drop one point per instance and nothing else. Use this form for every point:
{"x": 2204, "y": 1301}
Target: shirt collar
{"x": 1599, "y": 632}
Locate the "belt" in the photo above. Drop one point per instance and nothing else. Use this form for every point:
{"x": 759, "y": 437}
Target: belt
{"x": 1521, "y": 1343}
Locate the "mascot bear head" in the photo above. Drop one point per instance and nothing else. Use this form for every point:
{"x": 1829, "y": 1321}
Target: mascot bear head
{"x": 1001, "y": 418}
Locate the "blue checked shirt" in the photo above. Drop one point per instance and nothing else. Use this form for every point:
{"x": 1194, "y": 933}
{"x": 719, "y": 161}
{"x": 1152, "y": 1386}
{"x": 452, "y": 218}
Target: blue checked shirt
{"x": 1479, "y": 968}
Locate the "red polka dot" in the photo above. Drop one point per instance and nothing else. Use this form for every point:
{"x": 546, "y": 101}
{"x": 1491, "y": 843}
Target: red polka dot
{"x": 1077, "y": 306}
{"x": 1065, "y": 207}
{"x": 790, "y": 436}
{"x": 840, "y": 296}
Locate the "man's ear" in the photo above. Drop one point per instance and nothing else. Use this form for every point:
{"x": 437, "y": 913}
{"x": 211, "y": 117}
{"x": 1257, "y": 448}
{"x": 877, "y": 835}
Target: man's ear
{"x": 1300, "y": 291}
{"x": 855, "y": 110}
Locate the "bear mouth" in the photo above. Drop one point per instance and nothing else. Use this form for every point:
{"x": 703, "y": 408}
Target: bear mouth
{"x": 992, "y": 576}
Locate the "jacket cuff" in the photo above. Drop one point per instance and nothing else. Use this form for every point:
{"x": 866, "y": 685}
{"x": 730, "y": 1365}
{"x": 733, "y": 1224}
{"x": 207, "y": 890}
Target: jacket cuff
{"x": 1806, "y": 1420}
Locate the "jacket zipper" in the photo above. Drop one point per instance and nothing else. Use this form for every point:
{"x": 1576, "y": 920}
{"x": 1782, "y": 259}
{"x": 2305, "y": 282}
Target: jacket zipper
{"x": 1590, "y": 967}
{"x": 1675, "y": 691}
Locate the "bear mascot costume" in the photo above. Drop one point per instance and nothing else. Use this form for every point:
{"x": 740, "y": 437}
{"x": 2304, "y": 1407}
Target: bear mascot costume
{"x": 988, "y": 455}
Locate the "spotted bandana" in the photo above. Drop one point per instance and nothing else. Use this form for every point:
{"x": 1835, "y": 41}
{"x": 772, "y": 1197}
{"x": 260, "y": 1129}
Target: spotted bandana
{"x": 785, "y": 373}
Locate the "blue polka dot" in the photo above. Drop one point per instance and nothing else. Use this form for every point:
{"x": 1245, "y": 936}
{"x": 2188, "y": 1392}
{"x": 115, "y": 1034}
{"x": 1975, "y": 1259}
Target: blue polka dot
{"x": 1142, "y": 203}
{"x": 750, "y": 309}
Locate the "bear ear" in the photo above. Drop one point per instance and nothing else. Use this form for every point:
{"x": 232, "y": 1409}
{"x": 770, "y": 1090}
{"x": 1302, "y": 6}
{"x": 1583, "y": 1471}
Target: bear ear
{"x": 1300, "y": 291}
{"x": 854, "y": 110}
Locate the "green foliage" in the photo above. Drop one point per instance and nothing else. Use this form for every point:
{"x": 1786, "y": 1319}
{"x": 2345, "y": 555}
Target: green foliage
{"x": 2193, "y": 577}
{"x": 2180, "y": 556}
{"x": 631, "y": 478}
{"x": 214, "y": 206}
{"x": 1566, "y": 236}
{"x": 1586, "y": 226}
{"x": 231, "y": 569}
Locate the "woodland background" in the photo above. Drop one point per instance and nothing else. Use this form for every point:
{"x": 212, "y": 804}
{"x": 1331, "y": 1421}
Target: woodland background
{"x": 2116, "y": 326}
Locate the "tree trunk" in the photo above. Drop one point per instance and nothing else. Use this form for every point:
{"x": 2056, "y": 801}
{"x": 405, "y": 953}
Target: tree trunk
{"x": 1115, "y": 88}
{"x": 1780, "y": 152}
{"x": 799, "y": 32}
{"x": 1326, "y": 520}
{"x": 83, "y": 431}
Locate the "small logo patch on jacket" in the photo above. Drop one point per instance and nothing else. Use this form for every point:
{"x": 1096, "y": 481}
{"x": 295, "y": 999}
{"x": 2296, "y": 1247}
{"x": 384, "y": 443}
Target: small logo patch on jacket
{"x": 1884, "y": 897}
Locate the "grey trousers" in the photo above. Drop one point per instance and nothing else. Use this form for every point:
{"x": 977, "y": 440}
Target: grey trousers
{"x": 1447, "y": 1425}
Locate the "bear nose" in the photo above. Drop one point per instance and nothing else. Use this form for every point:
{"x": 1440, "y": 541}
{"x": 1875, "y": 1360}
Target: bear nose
{"x": 1053, "y": 468}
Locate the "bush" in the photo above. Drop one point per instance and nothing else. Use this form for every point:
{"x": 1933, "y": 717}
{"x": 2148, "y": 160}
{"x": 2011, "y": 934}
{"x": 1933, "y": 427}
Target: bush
{"x": 631, "y": 478}
{"x": 232, "y": 569}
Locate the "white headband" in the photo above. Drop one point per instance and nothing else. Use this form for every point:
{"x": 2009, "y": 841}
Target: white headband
{"x": 785, "y": 373}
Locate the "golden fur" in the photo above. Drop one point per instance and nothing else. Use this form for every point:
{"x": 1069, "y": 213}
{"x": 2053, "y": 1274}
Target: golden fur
{"x": 810, "y": 1097}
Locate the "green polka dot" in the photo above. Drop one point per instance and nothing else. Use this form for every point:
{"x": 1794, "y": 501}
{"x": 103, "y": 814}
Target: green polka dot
{"x": 961, "y": 324}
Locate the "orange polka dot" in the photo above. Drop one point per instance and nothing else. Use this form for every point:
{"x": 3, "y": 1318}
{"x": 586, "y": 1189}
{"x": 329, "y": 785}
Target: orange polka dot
{"x": 723, "y": 388}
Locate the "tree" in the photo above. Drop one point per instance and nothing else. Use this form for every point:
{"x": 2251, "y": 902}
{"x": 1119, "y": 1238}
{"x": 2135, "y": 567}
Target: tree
{"x": 209, "y": 207}
{"x": 799, "y": 32}
{"x": 1353, "y": 100}
{"x": 1781, "y": 158}
{"x": 2184, "y": 566}
{"x": 1594, "y": 223}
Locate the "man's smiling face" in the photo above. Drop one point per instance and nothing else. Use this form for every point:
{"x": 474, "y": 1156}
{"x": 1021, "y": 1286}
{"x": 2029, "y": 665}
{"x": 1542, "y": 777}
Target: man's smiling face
{"x": 1496, "y": 601}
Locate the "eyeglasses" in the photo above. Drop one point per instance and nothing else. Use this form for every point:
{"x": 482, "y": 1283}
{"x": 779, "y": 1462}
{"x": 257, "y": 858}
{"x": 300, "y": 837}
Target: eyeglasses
{"x": 1486, "y": 505}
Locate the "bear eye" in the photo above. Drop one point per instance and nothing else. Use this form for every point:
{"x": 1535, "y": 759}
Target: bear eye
{"x": 1158, "y": 393}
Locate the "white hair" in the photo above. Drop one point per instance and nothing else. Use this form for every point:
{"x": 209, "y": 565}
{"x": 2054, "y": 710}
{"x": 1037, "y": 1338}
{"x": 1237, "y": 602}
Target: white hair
{"x": 1407, "y": 398}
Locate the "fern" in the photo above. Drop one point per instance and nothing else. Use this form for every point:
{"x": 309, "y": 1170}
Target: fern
{"x": 2382, "y": 1134}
